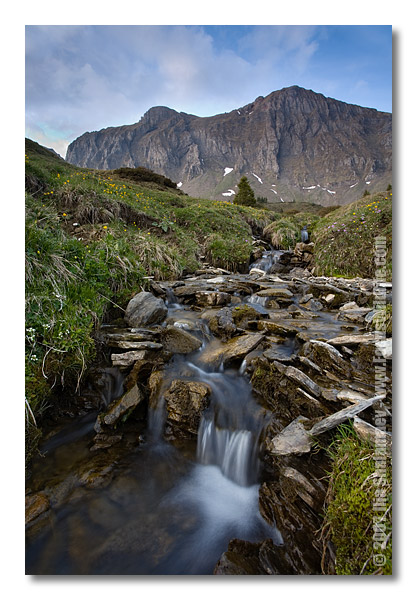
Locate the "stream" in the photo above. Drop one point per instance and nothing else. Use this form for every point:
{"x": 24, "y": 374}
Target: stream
{"x": 148, "y": 506}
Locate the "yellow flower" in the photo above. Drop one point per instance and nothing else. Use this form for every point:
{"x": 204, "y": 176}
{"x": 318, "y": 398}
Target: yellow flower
{"x": 64, "y": 214}
{"x": 104, "y": 226}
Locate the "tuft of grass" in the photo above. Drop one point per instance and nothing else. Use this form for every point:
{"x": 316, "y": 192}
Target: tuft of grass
{"x": 350, "y": 520}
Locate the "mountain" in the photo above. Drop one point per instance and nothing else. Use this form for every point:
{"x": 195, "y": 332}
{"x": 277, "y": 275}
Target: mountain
{"x": 294, "y": 144}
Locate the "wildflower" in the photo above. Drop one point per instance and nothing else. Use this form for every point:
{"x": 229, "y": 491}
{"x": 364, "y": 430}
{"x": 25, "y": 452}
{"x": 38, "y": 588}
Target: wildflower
{"x": 64, "y": 214}
{"x": 104, "y": 226}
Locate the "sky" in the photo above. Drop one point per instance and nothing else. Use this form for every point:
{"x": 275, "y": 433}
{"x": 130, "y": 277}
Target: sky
{"x": 87, "y": 77}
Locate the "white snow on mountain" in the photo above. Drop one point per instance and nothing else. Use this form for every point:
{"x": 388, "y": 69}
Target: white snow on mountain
{"x": 258, "y": 178}
{"x": 227, "y": 170}
{"x": 229, "y": 193}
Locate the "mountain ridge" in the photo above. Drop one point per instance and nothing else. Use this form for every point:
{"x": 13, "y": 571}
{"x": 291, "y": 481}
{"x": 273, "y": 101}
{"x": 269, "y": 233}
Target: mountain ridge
{"x": 293, "y": 144}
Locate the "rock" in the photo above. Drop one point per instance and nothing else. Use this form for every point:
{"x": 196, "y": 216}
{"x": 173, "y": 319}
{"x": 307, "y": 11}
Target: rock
{"x": 103, "y": 440}
{"x": 222, "y": 324}
{"x": 276, "y": 328}
{"x": 243, "y": 314}
{"x": 313, "y": 304}
{"x": 369, "y": 433}
{"x": 384, "y": 347}
{"x": 292, "y": 440}
{"x": 210, "y": 298}
{"x": 303, "y": 380}
{"x": 342, "y": 415}
{"x": 354, "y": 315}
{"x": 185, "y": 402}
{"x": 349, "y": 306}
{"x": 352, "y": 340}
{"x": 35, "y": 505}
{"x": 350, "y": 396}
{"x": 134, "y": 345}
{"x": 144, "y": 309}
{"x": 326, "y": 356}
{"x": 118, "y": 409}
{"x": 178, "y": 341}
{"x": 232, "y": 351}
{"x": 304, "y": 488}
{"x": 254, "y": 558}
{"x": 276, "y": 293}
{"x": 127, "y": 359}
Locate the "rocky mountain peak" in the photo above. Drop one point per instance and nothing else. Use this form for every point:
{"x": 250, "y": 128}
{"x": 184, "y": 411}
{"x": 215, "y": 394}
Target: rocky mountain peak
{"x": 293, "y": 144}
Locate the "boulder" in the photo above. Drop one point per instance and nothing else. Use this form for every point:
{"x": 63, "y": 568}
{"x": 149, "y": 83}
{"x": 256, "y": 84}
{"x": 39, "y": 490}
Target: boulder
{"x": 144, "y": 309}
{"x": 222, "y": 324}
{"x": 303, "y": 380}
{"x": 179, "y": 341}
{"x": 185, "y": 401}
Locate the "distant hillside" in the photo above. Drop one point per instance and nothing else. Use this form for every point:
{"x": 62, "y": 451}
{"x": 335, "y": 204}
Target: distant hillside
{"x": 293, "y": 145}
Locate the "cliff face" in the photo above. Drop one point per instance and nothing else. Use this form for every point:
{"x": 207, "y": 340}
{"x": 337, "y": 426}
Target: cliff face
{"x": 292, "y": 145}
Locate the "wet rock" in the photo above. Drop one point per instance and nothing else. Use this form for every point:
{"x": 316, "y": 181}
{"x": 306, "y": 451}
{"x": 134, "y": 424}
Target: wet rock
{"x": 185, "y": 402}
{"x": 103, "y": 441}
{"x": 272, "y": 292}
{"x": 250, "y": 558}
{"x": 35, "y": 505}
{"x": 235, "y": 350}
{"x": 96, "y": 473}
{"x": 179, "y": 341}
{"x": 292, "y": 440}
{"x": 312, "y": 304}
{"x": 222, "y": 324}
{"x": 144, "y": 309}
{"x": 119, "y": 408}
{"x": 243, "y": 314}
{"x": 210, "y": 298}
{"x": 276, "y": 328}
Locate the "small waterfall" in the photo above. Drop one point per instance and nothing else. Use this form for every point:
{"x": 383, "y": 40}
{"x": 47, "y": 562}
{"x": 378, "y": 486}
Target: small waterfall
{"x": 255, "y": 299}
{"x": 230, "y": 430}
{"x": 268, "y": 260}
{"x": 234, "y": 451}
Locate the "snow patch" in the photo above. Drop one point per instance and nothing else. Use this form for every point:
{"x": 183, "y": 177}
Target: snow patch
{"x": 227, "y": 170}
{"x": 179, "y": 184}
{"x": 353, "y": 185}
{"x": 258, "y": 178}
{"x": 311, "y": 187}
{"x": 367, "y": 182}
{"x": 229, "y": 193}
{"x": 273, "y": 191}
{"x": 330, "y": 192}
{"x": 282, "y": 200}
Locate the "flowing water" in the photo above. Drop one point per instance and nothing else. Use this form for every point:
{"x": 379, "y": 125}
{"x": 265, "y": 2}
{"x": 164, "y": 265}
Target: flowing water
{"x": 166, "y": 508}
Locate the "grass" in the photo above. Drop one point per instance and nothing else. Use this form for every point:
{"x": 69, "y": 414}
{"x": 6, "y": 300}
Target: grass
{"x": 358, "y": 532}
{"x": 344, "y": 240}
{"x": 92, "y": 239}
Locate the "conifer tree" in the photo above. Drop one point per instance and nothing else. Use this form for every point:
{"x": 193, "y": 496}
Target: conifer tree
{"x": 245, "y": 195}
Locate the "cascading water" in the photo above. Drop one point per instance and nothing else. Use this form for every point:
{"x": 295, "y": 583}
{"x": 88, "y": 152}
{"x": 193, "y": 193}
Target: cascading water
{"x": 168, "y": 509}
{"x": 268, "y": 260}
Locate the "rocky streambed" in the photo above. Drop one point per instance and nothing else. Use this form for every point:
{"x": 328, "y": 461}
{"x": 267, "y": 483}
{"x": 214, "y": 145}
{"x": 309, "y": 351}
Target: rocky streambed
{"x": 199, "y": 446}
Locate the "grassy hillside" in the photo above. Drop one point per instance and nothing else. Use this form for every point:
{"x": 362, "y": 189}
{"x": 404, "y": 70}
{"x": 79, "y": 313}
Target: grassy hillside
{"x": 92, "y": 238}
{"x": 344, "y": 239}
